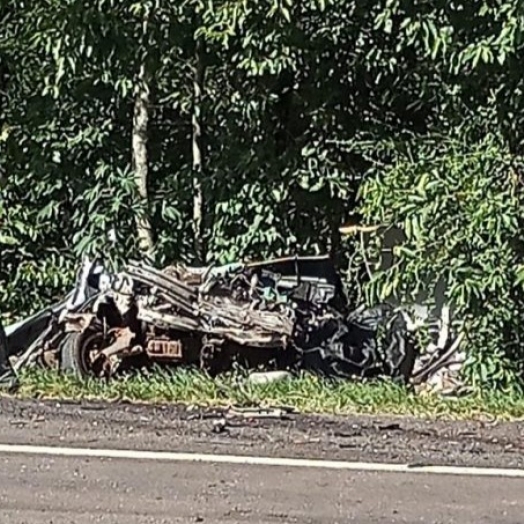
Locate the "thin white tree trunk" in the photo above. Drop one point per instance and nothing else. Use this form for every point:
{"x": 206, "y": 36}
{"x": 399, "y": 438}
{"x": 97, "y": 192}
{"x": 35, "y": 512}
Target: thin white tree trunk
{"x": 198, "y": 170}
{"x": 140, "y": 160}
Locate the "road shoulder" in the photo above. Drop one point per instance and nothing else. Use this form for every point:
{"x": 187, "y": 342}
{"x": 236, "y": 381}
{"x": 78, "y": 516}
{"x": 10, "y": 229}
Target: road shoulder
{"x": 176, "y": 428}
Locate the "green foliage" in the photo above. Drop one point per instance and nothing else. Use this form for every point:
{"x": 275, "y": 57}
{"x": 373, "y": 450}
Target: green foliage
{"x": 459, "y": 206}
{"x": 287, "y": 86}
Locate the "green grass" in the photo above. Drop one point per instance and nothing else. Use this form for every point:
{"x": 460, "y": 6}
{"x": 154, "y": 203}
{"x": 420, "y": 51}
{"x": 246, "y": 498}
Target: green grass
{"x": 305, "y": 393}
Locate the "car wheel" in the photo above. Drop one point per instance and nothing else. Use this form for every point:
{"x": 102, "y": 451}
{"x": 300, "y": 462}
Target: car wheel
{"x": 78, "y": 351}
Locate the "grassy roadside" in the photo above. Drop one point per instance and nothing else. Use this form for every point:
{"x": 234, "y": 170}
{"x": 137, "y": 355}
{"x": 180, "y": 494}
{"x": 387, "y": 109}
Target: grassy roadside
{"x": 306, "y": 393}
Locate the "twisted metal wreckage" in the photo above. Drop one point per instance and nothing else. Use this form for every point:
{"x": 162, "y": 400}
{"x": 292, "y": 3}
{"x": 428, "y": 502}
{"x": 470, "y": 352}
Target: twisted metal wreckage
{"x": 289, "y": 313}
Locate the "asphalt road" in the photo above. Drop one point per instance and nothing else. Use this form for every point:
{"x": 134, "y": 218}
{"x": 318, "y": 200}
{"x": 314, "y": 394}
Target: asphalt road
{"x": 43, "y": 489}
{"x": 58, "y": 490}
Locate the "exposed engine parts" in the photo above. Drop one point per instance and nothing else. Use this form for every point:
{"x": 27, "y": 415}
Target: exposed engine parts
{"x": 289, "y": 313}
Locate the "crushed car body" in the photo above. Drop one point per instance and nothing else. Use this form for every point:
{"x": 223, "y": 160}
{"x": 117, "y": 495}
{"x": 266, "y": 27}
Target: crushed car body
{"x": 287, "y": 313}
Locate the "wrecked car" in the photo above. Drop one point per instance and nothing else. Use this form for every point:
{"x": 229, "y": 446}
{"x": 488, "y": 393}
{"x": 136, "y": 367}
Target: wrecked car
{"x": 287, "y": 313}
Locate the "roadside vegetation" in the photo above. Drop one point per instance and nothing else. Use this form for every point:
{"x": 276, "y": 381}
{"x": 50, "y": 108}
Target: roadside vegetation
{"x": 207, "y": 132}
{"x": 305, "y": 393}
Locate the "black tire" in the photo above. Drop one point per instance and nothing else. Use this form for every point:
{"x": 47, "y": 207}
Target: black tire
{"x": 8, "y": 380}
{"x": 74, "y": 351}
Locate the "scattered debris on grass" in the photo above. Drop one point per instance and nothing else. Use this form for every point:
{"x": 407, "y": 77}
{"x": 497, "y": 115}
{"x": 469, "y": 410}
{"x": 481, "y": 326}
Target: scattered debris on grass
{"x": 305, "y": 393}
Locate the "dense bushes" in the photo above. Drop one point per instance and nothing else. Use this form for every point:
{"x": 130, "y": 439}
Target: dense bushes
{"x": 459, "y": 204}
{"x": 240, "y": 129}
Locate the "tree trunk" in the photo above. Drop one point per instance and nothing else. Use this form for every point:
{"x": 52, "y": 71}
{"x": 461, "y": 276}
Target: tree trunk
{"x": 4, "y": 130}
{"x": 198, "y": 168}
{"x": 140, "y": 161}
